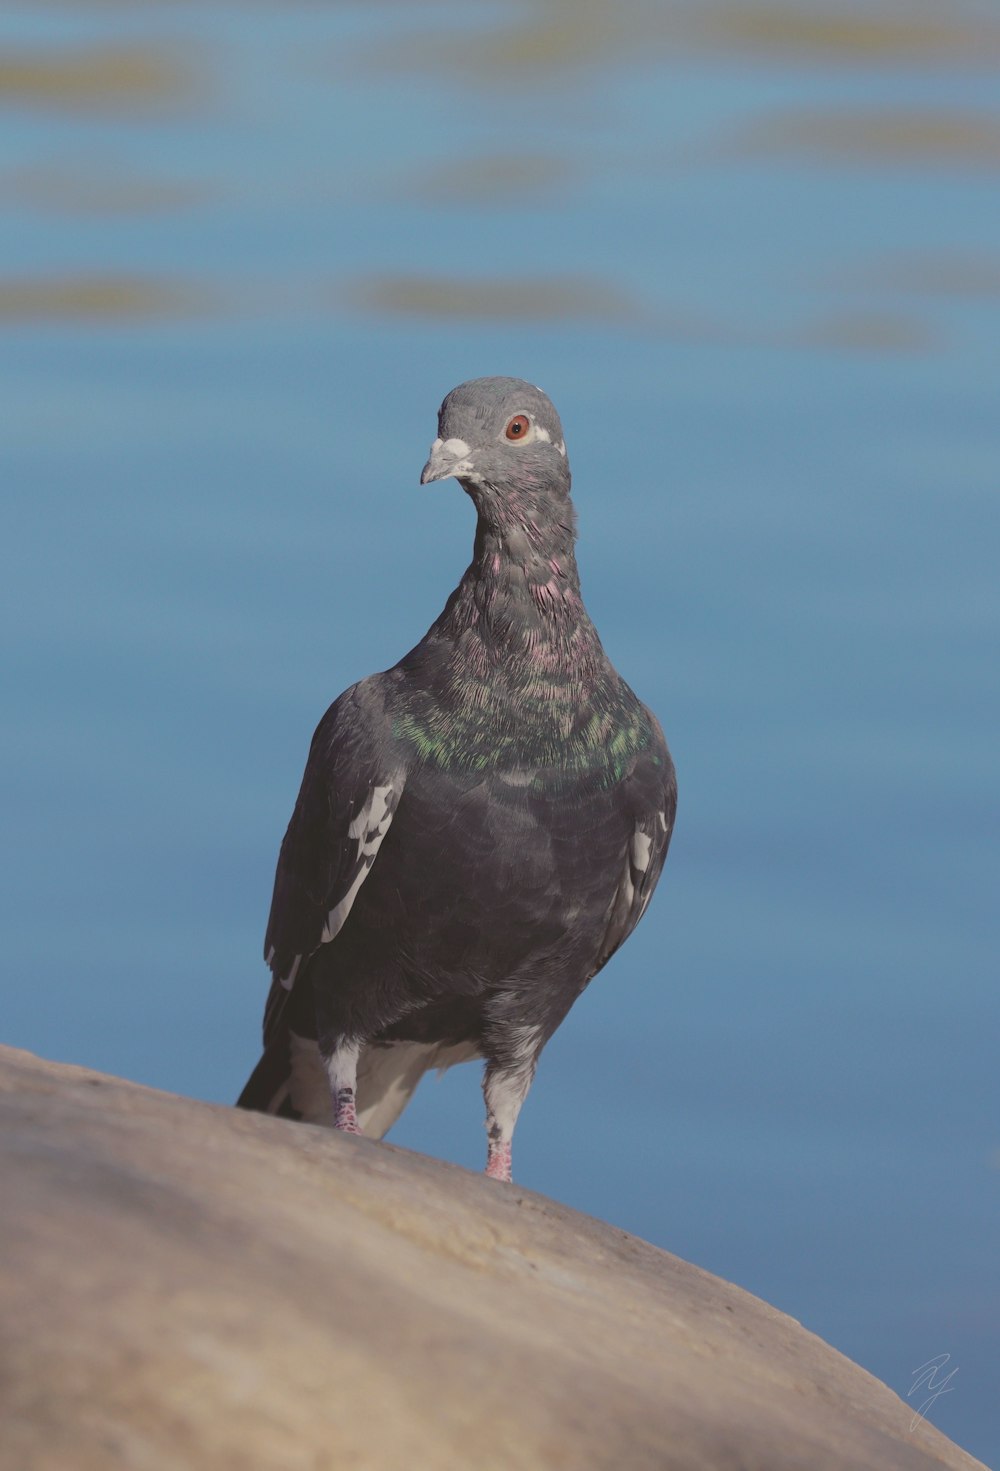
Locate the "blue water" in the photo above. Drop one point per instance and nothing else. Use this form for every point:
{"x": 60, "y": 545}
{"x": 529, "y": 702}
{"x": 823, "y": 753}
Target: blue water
{"x": 753, "y": 253}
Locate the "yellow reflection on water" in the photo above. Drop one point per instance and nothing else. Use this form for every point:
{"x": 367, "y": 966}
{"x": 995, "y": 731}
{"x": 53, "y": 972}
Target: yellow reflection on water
{"x": 548, "y": 37}
{"x": 497, "y": 298}
{"x": 502, "y": 179}
{"x": 939, "y": 274}
{"x": 95, "y": 78}
{"x": 96, "y": 298}
{"x": 870, "y": 332}
{"x": 881, "y": 33}
{"x": 931, "y": 138}
{"x": 536, "y": 42}
{"x": 94, "y": 190}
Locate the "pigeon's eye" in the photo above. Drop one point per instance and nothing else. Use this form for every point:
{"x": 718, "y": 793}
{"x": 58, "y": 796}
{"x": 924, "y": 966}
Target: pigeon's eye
{"x": 518, "y": 427}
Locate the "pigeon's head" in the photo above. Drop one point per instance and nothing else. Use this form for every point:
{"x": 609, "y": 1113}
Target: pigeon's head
{"x": 500, "y": 434}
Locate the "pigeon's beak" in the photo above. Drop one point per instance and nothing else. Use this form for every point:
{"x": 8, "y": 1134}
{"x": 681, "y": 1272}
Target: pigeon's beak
{"x": 448, "y": 457}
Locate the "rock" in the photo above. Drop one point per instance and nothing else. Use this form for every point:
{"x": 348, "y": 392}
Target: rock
{"x": 188, "y": 1286}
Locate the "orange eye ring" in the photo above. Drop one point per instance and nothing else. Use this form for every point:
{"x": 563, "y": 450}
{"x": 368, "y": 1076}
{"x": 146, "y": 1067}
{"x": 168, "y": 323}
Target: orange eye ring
{"x": 518, "y": 427}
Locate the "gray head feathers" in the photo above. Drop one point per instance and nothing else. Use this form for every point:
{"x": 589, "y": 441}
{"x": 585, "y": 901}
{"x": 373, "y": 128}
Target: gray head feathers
{"x": 502, "y": 433}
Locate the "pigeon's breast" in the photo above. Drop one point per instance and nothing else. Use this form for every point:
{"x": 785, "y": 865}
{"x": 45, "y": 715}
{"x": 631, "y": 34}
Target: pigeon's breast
{"x": 553, "y": 735}
{"x": 484, "y": 875}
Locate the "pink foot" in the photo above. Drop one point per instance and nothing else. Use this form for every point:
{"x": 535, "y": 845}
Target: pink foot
{"x": 346, "y": 1118}
{"x": 498, "y": 1161}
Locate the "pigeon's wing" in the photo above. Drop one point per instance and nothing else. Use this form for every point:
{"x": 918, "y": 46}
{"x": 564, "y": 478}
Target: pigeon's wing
{"x": 649, "y": 794}
{"x": 349, "y": 795}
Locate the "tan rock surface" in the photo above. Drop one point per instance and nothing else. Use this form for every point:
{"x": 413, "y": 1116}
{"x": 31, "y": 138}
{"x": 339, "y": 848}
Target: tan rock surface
{"x": 187, "y": 1286}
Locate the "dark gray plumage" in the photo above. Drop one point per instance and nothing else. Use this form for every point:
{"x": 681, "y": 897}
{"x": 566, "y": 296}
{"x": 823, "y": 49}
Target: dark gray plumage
{"x": 479, "y": 828}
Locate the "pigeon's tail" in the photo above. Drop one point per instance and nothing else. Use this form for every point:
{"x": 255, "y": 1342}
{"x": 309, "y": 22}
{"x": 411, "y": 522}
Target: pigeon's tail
{"x": 291, "y": 1080}
{"x": 268, "y": 1088}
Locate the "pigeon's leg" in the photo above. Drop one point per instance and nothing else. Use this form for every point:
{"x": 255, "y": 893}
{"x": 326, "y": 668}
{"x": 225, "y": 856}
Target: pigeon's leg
{"x": 342, "y": 1070}
{"x": 505, "y": 1089}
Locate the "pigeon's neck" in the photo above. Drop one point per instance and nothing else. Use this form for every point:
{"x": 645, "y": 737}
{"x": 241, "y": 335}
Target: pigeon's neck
{"x": 525, "y": 524}
{"x": 513, "y": 675}
{"x": 523, "y": 557}
{"x": 521, "y": 594}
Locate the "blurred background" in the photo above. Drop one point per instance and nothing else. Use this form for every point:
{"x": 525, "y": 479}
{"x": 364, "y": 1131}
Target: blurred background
{"x": 752, "y": 250}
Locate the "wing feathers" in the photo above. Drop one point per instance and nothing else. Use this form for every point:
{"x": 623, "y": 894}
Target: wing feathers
{"x": 349, "y": 793}
{"x": 367, "y": 829}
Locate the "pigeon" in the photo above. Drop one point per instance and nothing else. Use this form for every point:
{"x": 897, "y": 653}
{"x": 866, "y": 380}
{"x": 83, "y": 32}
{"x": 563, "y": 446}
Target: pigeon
{"x": 479, "y": 828}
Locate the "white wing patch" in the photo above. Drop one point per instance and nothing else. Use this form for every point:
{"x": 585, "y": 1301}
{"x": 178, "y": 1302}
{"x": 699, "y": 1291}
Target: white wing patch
{"x": 372, "y": 822}
{"x": 288, "y": 981}
{"x": 642, "y": 851}
{"x": 642, "y": 846}
{"x": 338, "y": 914}
{"x": 367, "y": 829}
{"x": 633, "y": 892}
